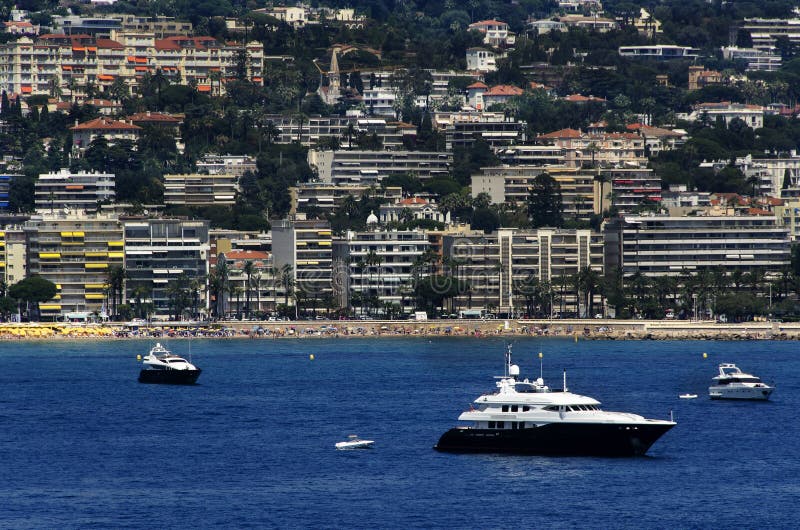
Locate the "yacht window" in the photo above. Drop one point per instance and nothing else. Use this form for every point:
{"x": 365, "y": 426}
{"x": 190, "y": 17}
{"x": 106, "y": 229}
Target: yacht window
{"x": 525, "y": 408}
{"x": 514, "y": 408}
{"x": 491, "y": 425}
{"x": 501, "y": 425}
{"x": 505, "y": 408}
{"x": 552, "y": 408}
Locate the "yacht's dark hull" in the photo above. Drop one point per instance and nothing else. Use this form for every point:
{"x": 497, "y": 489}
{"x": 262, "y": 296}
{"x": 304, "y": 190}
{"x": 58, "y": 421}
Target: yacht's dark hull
{"x": 557, "y": 439}
{"x": 169, "y": 377}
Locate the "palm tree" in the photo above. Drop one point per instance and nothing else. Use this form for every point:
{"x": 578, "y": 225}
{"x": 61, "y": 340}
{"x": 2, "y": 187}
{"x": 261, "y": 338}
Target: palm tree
{"x": 222, "y": 272}
{"x": 257, "y": 279}
{"x": 287, "y": 279}
{"x": 249, "y": 268}
{"x": 115, "y": 279}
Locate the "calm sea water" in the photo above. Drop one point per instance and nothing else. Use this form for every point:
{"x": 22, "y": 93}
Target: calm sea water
{"x": 82, "y": 444}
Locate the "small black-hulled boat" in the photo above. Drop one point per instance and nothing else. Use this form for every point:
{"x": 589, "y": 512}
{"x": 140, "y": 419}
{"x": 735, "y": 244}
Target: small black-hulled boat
{"x": 164, "y": 367}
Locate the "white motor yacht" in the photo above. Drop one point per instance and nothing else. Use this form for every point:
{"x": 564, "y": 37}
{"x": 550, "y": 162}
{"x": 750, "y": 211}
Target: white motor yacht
{"x": 732, "y": 383}
{"x": 528, "y": 417}
{"x": 354, "y": 442}
{"x": 162, "y": 366}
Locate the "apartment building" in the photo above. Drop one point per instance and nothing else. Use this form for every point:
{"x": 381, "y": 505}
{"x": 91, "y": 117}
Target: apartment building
{"x": 13, "y": 253}
{"x": 70, "y": 63}
{"x": 410, "y": 209}
{"x": 226, "y": 164}
{"x": 83, "y": 134}
{"x": 600, "y": 149}
{"x": 581, "y": 192}
{"x": 481, "y": 60}
{"x": 532, "y": 155}
{"x": 656, "y": 245}
{"x": 462, "y": 129}
{"x": 5, "y": 187}
{"x": 500, "y": 267}
{"x": 304, "y": 248}
{"x": 75, "y": 191}
{"x": 495, "y": 33}
{"x": 326, "y": 197}
{"x": 371, "y": 167}
{"x": 659, "y": 52}
{"x": 766, "y": 60}
{"x": 254, "y": 295}
{"x": 160, "y": 251}
{"x": 201, "y": 189}
{"x": 75, "y": 251}
{"x": 631, "y": 188}
{"x": 751, "y": 115}
{"x": 376, "y": 270}
{"x": 309, "y": 131}
{"x": 765, "y": 31}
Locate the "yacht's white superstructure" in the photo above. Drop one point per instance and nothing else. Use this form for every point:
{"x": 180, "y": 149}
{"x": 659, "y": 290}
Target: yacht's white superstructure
{"x": 163, "y": 366}
{"x": 732, "y": 383}
{"x": 524, "y": 416}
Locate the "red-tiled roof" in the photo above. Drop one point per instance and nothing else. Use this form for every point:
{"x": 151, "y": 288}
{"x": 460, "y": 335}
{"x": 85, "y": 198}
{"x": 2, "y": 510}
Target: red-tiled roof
{"x": 503, "y": 90}
{"x": 109, "y": 44}
{"x": 487, "y": 23}
{"x": 152, "y": 117}
{"x": 477, "y": 85}
{"x": 104, "y": 124}
{"x": 413, "y": 200}
{"x": 563, "y": 133}
{"x": 246, "y": 254}
{"x": 578, "y": 98}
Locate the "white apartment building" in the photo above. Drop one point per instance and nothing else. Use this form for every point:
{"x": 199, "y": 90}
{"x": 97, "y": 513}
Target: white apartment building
{"x": 767, "y": 60}
{"x": 412, "y": 208}
{"x": 75, "y": 191}
{"x": 69, "y": 63}
{"x": 371, "y": 167}
{"x": 752, "y": 115}
{"x": 500, "y": 267}
{"x": 666, "y": 245}
{"x": 481, "y": 60}
{"x": 376, "y": 268}
{"x": 201, "y": 189}
{"x": 764, "y": 31}
{"x": 380, "y": 101}
{"x": 226, "y": 164}
{"x": 495, "y": 32}
{"x": 327, "y": 197}
{"x": 660, "y": 51}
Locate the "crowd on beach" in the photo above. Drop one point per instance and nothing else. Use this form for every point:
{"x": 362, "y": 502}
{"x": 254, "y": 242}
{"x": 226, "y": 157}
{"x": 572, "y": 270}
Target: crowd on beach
{"x": 51, "y": 331}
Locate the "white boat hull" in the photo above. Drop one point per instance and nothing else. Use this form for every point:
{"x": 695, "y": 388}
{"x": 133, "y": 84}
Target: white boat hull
{"x": 360, "y": 444}
{"x": 760, "y": 393}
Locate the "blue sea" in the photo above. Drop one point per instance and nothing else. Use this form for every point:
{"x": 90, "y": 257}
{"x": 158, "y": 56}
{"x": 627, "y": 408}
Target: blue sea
{"x": 83, "y": 445}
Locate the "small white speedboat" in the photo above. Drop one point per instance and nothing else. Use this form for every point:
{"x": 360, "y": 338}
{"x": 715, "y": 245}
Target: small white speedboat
{"x": 354, "y": 442}
{"x": 688, "y": 396}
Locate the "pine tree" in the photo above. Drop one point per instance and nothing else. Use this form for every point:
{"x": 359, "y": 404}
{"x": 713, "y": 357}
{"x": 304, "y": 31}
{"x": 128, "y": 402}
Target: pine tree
{"x": 545, "y": 206}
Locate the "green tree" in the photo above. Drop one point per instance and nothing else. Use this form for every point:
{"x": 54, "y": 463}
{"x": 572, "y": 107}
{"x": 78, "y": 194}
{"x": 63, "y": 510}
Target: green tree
{"x": 545, "y": 206}
{"x": 33, "y": 290}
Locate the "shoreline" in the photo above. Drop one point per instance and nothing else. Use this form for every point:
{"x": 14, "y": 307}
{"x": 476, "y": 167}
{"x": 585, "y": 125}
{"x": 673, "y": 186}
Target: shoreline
{"x": 256, "y": 330}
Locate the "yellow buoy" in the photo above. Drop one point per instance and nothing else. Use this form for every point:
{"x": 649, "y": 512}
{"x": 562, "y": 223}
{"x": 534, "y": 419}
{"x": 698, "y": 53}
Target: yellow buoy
{"x": 138, "y": 357}
{"x": 311, "y": 357}
{"x": 705, "y": 355}
{"x": 540, "y": 355}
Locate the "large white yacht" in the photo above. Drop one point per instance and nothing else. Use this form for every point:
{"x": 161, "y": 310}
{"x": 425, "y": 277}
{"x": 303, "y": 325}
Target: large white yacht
{"x": 528, "y": 417}
{"x": 162, "y": 366}
{"x": 732, "y": 383}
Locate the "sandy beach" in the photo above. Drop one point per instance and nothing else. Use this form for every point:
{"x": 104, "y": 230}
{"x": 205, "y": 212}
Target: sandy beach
{"x": 579, "y": 329}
